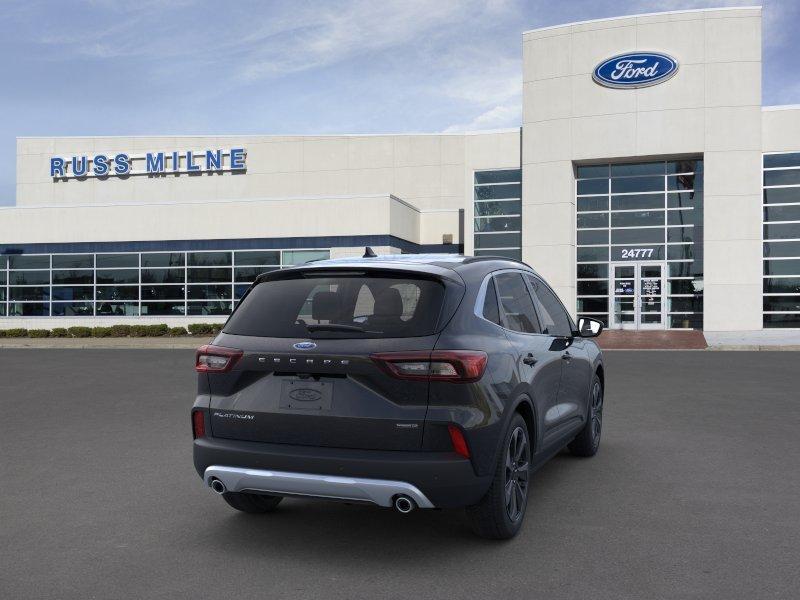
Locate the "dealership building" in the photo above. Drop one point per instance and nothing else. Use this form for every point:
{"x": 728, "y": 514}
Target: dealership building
{"x": 647, "y": 184}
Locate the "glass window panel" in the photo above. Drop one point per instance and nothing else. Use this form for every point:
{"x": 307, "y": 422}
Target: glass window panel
{"x": 117, "y": 276}
{"x": 648, "y": 168}
{"x": 636, "y": 184}
{"x": 84, "y": 292}
{"x": 2, "y": 277}
{"x": 118, "y": 292}
{"x": 73, "y": 277}
{"x": 554, "y": 319}
{"x": 779, "y": 249}
{"x": 163, "y": 259}
{"x": 592, "y": 236}
{"x": 586, "y": 171}
{"x": 117, "y": 309}
{"x": 162, "y": 292}
{"x": 239, "y": 290}
{"x": 516, "y": 306}
{"x": 498, "y": 224}
{"x": 163, "y": 276}
{"x": 491, "y": 309}
{"x": 782, "y": 213}
{"x": 29, "y": 293}
{"x": 249, "y": 274}
{"x": 684, "y": 166}
{"x": 685, "y": 286}
{"x": 163, "y": 308}
{"x": 209, "y": 275}
{"x": 209, "y": 259}
{"x": 789, "y": 159}
{"x": 2, "y": 310}
{"x": 498, "y": 176}
{"x": 72, "y": 309}
{"x": 782, "y": 285}
{"x": 592, "y": 271}
{"x": 494, "y": 192}
{"x": 597, "y": 203}
{"x": 497, "y": 240}
{"x": 589, "y": 254}
{"x": 28, "y": 309}
{"x": 210, "y": 308}
{"x": 681, "y": 269}
{"x": 637, "y": 219}
{"x": 782, "y": 195}
{"x": 592, "y": 186}
{"x": 209, "y": 292}
{"x": 512, "y": 253}
{"x": 593, "y": 288}
{"x": 684, "y": 217}
{"x": 298, "y": 257}
{"x": 640, "y": 252}
{"x": 500, "y": 207}
{"x": 679, "y": 252}
{"x": 694, "y": 304}
{"x": 29, "y": 277}
{"x": 3, "y": 262}
{"x": 684, "y": 182}
{"x": 24, "y": 261}
{"x": 637, "y": 236}
{"x": 637, "y": 201}
{"x": 782, "y": 231}
{"x": 2, "y": 294}
{"x": 782, "y": 303}
{"x": 684, "y": 199}
{"x": 686, "y": 321}
{"x": 592, "y": 304}
{"x": 592, "y": 220}
{"x": 774, "y": 321}
{"x": 73, "y": 261}
{"x": 782, "y": 267}
{"x": 787, "y": 177}
{"x": 113, "y": 261}
{"x": 680, "y": 234}
{"x": 257, "y": 257}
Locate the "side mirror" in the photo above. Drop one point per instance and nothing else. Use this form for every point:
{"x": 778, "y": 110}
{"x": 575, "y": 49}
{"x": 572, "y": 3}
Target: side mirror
{"x": 588, "y": 327}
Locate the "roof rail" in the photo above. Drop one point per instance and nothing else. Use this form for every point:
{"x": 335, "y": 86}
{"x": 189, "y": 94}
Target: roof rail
{"x": 473, "y": 259}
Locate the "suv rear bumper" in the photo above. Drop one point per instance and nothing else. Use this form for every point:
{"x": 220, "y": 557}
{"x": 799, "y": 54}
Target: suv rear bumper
{"x": 445, "y": 479}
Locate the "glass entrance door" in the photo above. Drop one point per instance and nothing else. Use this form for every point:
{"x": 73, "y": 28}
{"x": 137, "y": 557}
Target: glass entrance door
{"x": 637, "y": 295}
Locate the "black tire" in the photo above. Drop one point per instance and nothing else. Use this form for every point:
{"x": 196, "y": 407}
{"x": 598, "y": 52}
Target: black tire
{"x": 587, "y": 442}
{"x": 252, "y": 503}
{"x": 500, "y": 512}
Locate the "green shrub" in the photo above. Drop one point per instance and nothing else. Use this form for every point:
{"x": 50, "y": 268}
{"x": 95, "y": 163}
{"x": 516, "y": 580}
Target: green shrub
{"x": 38, "y": 333}
{"x": 80, "y": 332}
{"x": 201, "y": 328}
{"x": 59, "y": 332}
{"x": 138, "y": 330}
{"x": 177, "y": 331}
{"x": 2, "y": 333}
{"x": 157, "y": 330}
{"x": 16, "y": 332}
{"x": 101, "y": 332}
{"x": 216, "y": 328}
{"x": 120, "y": 330}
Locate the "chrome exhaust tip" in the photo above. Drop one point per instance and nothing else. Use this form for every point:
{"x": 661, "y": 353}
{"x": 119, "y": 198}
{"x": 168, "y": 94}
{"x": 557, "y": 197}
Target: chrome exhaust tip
{"x": 218, "y": 486}
{"x": 404, "y": 504}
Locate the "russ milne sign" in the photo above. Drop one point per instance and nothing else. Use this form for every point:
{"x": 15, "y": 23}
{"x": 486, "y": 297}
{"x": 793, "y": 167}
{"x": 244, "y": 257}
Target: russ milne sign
{"x": 150, "y": 163}
{"x": 635, "y": 70}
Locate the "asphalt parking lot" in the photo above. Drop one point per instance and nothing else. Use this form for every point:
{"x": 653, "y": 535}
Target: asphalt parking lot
{"x": 695, "y": 494}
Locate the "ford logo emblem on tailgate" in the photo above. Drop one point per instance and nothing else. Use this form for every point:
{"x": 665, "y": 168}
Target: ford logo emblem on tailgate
{"x": 635, "y": 70}
{"x": 305, "y": 346}
{"x": 305, "y": 395}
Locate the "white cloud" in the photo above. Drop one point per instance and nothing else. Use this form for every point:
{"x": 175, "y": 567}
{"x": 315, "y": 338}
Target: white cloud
{"x": 497, "y": 117}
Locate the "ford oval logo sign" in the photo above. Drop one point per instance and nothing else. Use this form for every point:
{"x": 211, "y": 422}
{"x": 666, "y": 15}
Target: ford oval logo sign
{"x": 635, "y": 70}
{"x": 305, "y": 346}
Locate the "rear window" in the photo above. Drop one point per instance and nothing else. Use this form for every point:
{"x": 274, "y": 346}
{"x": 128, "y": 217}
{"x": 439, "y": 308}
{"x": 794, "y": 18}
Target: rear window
{"x": 340, "y": 306}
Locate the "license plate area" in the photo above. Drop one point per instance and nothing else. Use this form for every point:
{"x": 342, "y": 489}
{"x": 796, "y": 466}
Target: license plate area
{"x": 301, "y": 394}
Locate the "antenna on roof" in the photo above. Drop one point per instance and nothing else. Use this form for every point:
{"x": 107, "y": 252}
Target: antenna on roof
{"x": 369, "y": 253}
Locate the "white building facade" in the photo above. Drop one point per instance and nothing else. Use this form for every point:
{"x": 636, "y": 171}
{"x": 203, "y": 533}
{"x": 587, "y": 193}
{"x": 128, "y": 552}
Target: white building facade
{"x": 655, "y": 192}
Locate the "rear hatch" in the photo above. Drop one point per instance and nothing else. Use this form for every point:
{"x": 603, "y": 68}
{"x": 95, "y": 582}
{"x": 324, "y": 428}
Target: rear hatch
{"x": 303, "y": 368}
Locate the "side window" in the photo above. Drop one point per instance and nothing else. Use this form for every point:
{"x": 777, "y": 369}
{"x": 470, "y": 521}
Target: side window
{"x": 491, "y": 311}
{"x": 555, "y": 320}
{"x": 516, "y": 307}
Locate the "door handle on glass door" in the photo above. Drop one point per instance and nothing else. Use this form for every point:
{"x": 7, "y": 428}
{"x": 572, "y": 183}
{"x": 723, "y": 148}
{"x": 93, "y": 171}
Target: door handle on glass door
{"x": 529, "y": 360}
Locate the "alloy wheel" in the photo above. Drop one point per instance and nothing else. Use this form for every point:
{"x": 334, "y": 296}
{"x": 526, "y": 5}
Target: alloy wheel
{"x": 597, "y": 412}
{"x": 516, "y": 474}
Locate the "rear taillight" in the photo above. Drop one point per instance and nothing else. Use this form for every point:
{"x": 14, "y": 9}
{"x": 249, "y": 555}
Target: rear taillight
{"x": 216, "y": 359}
{"x": 198, "y": 424}
{"x": 457, "y": 438}
{"x": 458, "y": 366}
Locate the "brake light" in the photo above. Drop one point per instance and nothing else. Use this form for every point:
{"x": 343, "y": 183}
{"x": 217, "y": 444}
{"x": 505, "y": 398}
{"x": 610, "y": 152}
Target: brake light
{"x": 457, "y": 366}
{"x": 198, "y": 424}
{"x": 457, "y": 438}
{"x": 216, "y": 359}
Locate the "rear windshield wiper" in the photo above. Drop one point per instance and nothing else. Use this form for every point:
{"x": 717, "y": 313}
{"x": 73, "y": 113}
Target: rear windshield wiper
{"x": 337, "y": 327}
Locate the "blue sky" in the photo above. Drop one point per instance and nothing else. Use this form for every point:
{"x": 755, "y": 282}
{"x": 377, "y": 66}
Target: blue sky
{"x": 105, "y": 67}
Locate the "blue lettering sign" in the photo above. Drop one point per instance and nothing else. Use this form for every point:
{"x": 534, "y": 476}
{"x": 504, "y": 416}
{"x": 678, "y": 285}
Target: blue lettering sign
{"x": 213, "y": 160}
{"x": 176, "y": 161}
{"x": 190, "y": 166}
{"x": 154, "y": 162}
{"x": 237, "y": 159}
{"x": 121, "y": 164}
{"x": 56, "y": 167}
{"x": 79, "y": 166}
{"x": 635, "y": 70}
{"x": 100, "y": 165}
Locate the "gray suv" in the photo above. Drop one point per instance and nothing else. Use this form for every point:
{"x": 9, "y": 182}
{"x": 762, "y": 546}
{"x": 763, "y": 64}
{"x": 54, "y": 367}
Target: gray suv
{"x": 412, "y": 381}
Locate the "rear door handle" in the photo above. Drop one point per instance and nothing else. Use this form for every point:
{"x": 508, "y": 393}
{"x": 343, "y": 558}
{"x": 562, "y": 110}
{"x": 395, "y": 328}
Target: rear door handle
{"x": 529, "y": 360}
